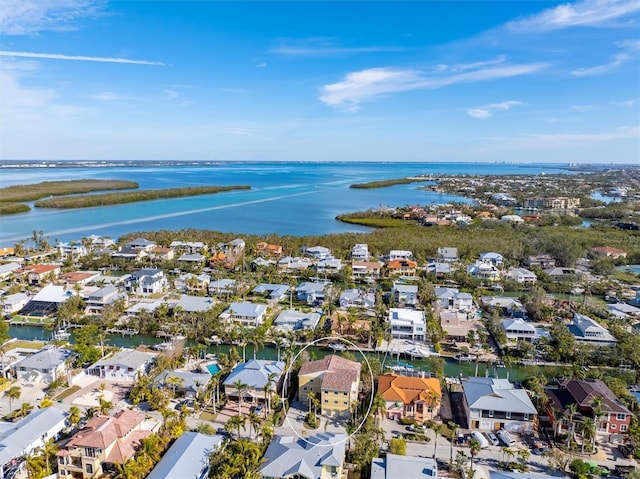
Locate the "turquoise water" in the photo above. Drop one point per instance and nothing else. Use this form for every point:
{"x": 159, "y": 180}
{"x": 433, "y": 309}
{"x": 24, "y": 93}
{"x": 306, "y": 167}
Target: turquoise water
{"x": 286, "y": 198}
{"x": 213, "y": 369}
{"x": 633, "y": 268}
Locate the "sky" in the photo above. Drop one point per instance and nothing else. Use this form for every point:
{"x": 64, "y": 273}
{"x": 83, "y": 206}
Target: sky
{"x": 432, "y": 81}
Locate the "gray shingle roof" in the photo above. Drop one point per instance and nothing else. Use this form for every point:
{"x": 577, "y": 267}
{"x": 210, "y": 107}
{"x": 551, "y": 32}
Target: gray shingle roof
{"x": 255, "y": 373}
{"x": 403, "y": 467}
{"x": 496, "y": 395}
{"x": 187, "y": 457}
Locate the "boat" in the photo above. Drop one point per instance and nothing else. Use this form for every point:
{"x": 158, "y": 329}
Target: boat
{"x": 465, "y": 358}
{"x": 400, "y": 366}
{"x": 337, "y": 346}
{"x": 213, "y": 340}
{"x": 61, "y": 335}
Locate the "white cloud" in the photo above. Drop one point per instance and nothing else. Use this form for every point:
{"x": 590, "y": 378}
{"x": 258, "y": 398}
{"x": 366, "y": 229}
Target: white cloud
{"x": 25, "y": 17}
{"x": 317, "y": 47}
{"x": 262, "y": 65}
{"x": 589, "y": 13}
{"x": 366, "y": 84}
{"x": 615, "y": 62}
{"x": 171, "y": 94}
{"x": 110, "y": 96}
{"x": 487, "y": 111}
{"x": 626, "y": 103}
{"x": 583, "y": 108}
{"x": 59, "y": 56}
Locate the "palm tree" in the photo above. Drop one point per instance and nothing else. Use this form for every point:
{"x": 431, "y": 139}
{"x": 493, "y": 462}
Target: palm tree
{"x": 244, "y": 458}
{"x": 267, "y": 434}
{"x": 150, "y": 449}
{"x": 588, "y": 432}
{"x": 166, "y": 415}
{"x": 49, "y": 450}
{"x": 454, "y": 434}
{"x": 14, "y": 392}
{"x": 205, "y": 428}
{"x": 90, "y": 412}
{"x": 524, "y": 454}
{"x": 241, "y": 388}
{"x": 571, "y": 409}
{"x": 74, "y": 415}
{"x": 36, "y": 465}
{"x": 474, "y": 449}
{"x": 46, "y": 402}
{"x": 254, "y": 422}
{"x": 378, "y": 407}
{"x": 25, "y": 409}
{"x": 507, "y": 453}
{"x": 235, "y": 422}
{"x": 105, "y": 406}
{"x": 437, "y": 429}
{"x": 311, "y": 397}
{"x": 268, "y": 389}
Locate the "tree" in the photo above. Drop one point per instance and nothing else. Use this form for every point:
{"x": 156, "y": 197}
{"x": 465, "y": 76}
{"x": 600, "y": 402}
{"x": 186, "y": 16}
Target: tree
{"x": 571, "y": 411}
{"x": 74, "y": 416}
{"x": 14, "y": 392}
{"x": 25, "y": 409}
{"x": 398, "y": 446}
{"x": 378, "y": 407}
{"x": 437, "y": 429}
{"x": 474, "y": 449}
{"x": 588, "y": 432}
{"x": 49, "y": 450}
{"x": 240, "y": 390}
{"x": 453, "y": 427}
{"x": 254, "y": 422}
{"x": 524, "y": 454}
{"x": 205, "y": 428}
{"x": 105, "y": 406}
{"x": 36, "y": 466}
{"x": 235, "y": 422}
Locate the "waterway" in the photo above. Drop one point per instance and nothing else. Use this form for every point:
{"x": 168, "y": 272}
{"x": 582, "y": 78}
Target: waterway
{"x": 452, "y": 367}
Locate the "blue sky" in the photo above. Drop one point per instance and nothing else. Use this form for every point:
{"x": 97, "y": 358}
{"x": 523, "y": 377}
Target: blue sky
{"x": 514, "y": 81}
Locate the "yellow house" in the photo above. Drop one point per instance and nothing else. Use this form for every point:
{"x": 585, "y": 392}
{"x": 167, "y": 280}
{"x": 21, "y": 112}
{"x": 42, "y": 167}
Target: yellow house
{"x": 334, "y": 381}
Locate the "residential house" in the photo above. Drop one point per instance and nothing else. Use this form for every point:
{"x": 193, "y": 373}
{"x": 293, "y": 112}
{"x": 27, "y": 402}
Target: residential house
{"x": 102, "y": 443}
{"x": 495, "y": 259}
{"x": 292, "y": 265}
{"x": 191, "y": 282}
{"x": 516, "y": 329}
{"x": 311, "y": 292}
{"x": 402, "y": 267}
{"x": 8, "y": 270}
{"x": 138, "y": 308}
{"x": 19, "y": 440}
{"x": 395, "y": 254}
{"x": 130, "y": 254}
{"x": 560, "y": 274}
{"x": 222, "y": 287}
{"x": 105, "y": 296}
{"x": 146, "y": 281}
{"x": 366, "y": 270}
{"x": 357, "y": 298}
{"x": 335, "y": 382}
{"x": 611, "y": 416}
{"x": 503, "y": 199}
{"x": 193, "y": 304}
{"x": 511, "y": 219}
{"x": 543, "y": 261}
{"x": 393, "y": 466}
{"x": 587, "y": 331}
{"x": 38, "y": 273}
{"x": 45, "y": 366}
{"x": 292, "y": 320}
{"x": 125, "y": 365}
{"x": 271, "y": 291}
{"x": 320, "y": 456}
{"x": 265, "y": 249}
{"x": 318, "y": 252}
{"x": 405, "y": 294}
{"x": 360, "y": 252}
{"x": 195, "y": 258}
{"x": 189, "y": 246}
{"x": 505, "y": 306}
{"x": 439, "y": 268}
{"x": 47, "y": 300}
{"x": 79, "y": 278}
{"x": 329, "y": 265}
{"x": 407, "y": 324}
{"x": 452, "y": 298}
{"x": 188, "y": 457}
{"x": 456, "y": 325}
{"x": 161, "y": 253}
{"x": 260, "y": 262}
{"x": 410, "y": 397}
{"x": 13, "y": 303}
{"x": 185, "y": 383}
{"x": 522, "y": 276}
{"x": 72, "y": 250}
{"x": 246, "y": 313}
{"x": 99, "y": 242}
{"x": 492, "y": 404}
{"x": 484, "y": 271}
{"x": 448, "y": 255}
{"x": 255, "y": 375}
{"x": 608, "y": 252}
{"x": 141, "y": 244}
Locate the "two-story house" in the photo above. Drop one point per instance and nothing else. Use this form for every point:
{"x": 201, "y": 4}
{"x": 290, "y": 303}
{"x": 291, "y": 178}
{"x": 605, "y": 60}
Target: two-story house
{"x": 413, "y": 397}
{"x": 255, "y": 375}
{"x": 587, "y": 331}
{"x": 97, "y": 300}
{"x": 405, "y": 294}
{"x": 246, "y": 313}
{"x": 407, "y": 324}
{"x": 360, "y": 252}
{"x": 146, "y": 281}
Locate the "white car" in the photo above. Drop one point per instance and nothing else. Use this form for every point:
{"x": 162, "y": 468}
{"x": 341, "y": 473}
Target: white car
{"x": 493, "y": 439}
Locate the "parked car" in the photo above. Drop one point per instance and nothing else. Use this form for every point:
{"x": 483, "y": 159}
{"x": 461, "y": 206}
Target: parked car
{"x": 493, "y": 439}
{"x": 415, "y": 428}
{"x": 258, "y": 409}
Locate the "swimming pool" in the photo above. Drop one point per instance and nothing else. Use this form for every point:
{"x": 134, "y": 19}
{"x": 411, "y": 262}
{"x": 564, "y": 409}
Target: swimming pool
{"x": 213, "y": 368}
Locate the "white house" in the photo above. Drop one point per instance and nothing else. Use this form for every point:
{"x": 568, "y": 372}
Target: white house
{"x": 7, "y": 270}
{"x": 311, "y": 291}
{"x": 72, "y": 250}
{"x": 124, "y": 365}
{"x": 406, "y": 294}
{"x": 97, "y": 300}
{"x": 222, "y": 286}
{"x": 451, "y": 298}
{"x": 292, "y": 320}
{"x": 482, "y": 270}
{"x": 448, "y": 254}
{"x": 360, "y": 252}
{"x": 190, "y": 281}
{"x": 522, "y": 276}
{"x": 46, "y": 365}
{"x": 246, "y": 313}
{"x": 494, "y": 258}
{"x": 356, "y": 298}
{"x": 395, "y": 254}
{"x": 516, "y": 329}
{"x": 318, "y": 252}
{"x": 13, "y": 303}
{"x": 146, "y": 281}
{"x": 407, "y": 324}
{"x": 587, "y": 331}
{"x": 188, "y": 457}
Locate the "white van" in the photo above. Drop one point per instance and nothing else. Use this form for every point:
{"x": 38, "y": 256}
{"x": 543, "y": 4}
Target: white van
{"x": 481, "y": 439}
{"x": 506, "y": 438}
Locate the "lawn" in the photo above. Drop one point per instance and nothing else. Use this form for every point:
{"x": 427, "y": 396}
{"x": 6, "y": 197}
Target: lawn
{"x": 25, "y": 344}
{"x": 66, "y": 393}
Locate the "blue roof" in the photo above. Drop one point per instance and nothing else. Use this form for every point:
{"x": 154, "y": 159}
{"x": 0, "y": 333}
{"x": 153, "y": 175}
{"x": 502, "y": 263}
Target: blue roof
{"x": 255, "y": 373}
{"x": 187, "y": 458}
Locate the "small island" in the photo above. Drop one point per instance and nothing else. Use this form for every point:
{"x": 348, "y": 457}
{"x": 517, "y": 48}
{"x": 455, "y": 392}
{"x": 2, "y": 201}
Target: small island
{"x": 88, "y": 201}
{"x": 392, "y": 182}
{"x": 18, "y": 193}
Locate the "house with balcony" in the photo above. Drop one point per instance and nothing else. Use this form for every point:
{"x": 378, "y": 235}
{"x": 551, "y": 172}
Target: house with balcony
{"x": 357, "y": 298}
{"x": 292, "y": 265}
{"x": 246, "y": 313}
{"x": 271, "y": 291}
{"x": 256, "y": 375}
{"x": 192, "y": 282}
{"x": 516, "y": 329}
{"x": 495, "y": 259}
{"x": 311, "y": 292}
{"x": 588, "y": 331}
{"x": 484, "y": 270}
{"x": 448, "y": 255}
{"x": 44, "y": 366}
{"x": 491, "y": 404}
{"x": 453, "y": 299}
{"x": 522, "y": 276}
{"x": 105, "y": 296}
{"x": 125, "y": 365}
{"x": 292, "y": 320}
{"x": 318, "y": 252}
{"x": 456, "y": 325}
{"x": 612, "y": 417}
{"x": 410, "y": 397}
{"x": 38, "y": 273}
{"x": 407, "y": 324}
{"x": 72, "y": 250}
{"x": 102, "y": 443}
{"x": 360, "y": 252}
{"x": 334, "y": 380}
{"x": 402, "y": 267}
{"x": 543, "y": 261}
{"x": 270, "y": 250}
{"x": 366, "y": 270}
{"x": 396, "y": 254}
{"x": 146, "y": 281}
{"x": 405, "y": 294}
{"x": 189, "y": 246}
{"x": 320, "y": 456}
{"x": 223, "y": 286}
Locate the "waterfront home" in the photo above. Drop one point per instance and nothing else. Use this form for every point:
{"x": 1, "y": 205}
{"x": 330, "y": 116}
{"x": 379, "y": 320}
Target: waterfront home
{"x": 485, "y": 271}
{"x": 516, "y": 329}
{"x": 393, "y": 466}
{"x": 130, "y": 254}
{"x": 38, "y": 273}
{"x": 495, "y": 259}
{"x": 146, "y": 281}
{"x": 511, "y": 219}
{"x": 456, "y": 325}
{"x": 97, "y": 300}
{"x": 13, "y": 303}
{"x": 188, "y": 457}
{"x": 543, "y": 261}
{"x": 71, "y": 250}
{"x": 255, "y": 375}
{"x": 47, "y": 300}
{"x": 407, "y": 324}
{"x": 608, "y": 252}
{"x": 410, "y": 397}
{"x": 317, "y": 252}
{"x": 79, "y": 277}
{"x": 191, "y": 282}
{"x": 246, "y": 313}
{"x": 311, "y": 292}
{"x": 23, "y": 438}
{"x": 222, "y": 286}
{"x": 189, "y": 246}
{"x": 522, "y": 276}
{"x": 329, "y": 265}
{"x": 588, "y": 331}
{"x": 292, "y": 320}
{"x": 503, "y": 199}
{"x": 395, "y": 254}
{"x": 452, "y": 298}
{"x": 194, "y": 258}
{"x": 448, "y": 255}
{"x": 551, "y": 203}
{"x": 623, "y": 310}
{"x": 265, "y": 249}
{"x": 260, "y": 262}
{"x": 138, "y": 308}
{"x": 7, "y": 251}
{"x": 193, "y": 304}
{"x": 439, "y": 268}
{"x": 357, "y": 298}
{"x": 140, "y": 244}
{"x": 125, "y": 365}
{"x": 561, "y": 274}
{"x": 360, "y": 252}
{"x": 492, "y": 404}
{"x": 102, "y": 443}
{"x": 271, "y": 291}
{"x": 402, "y": 267}
{"x": 185, "y": 383}
{"x": 44, "y": 366}
{"x": 504, "y": 306}
{"x": 98, "y": 242}
{"x": 366, "y": 270}
{"x": 292, "y": 265}
{"x": 8, "y": 270}
{"x": 614, "y": 417}
{"x": 405, "y": 294}
{"x": 335, "y": 382}
{"x": 320, "y": 456}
